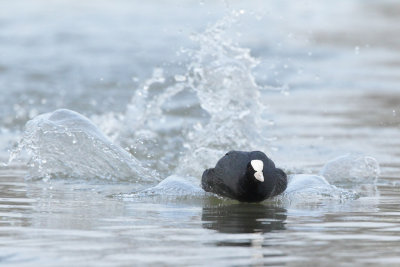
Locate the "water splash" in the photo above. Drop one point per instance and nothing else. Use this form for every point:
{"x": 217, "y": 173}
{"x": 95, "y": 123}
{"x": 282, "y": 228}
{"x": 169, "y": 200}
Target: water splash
{"x": 313, "y": 188}
{"x": 224, "y": 110}
{"x": 302, "y": 189}
{"x": 352, "y": 170}
{"x": 224, "y": 113}
{"x": 219, "y": 77}
{"x": 147, "y": 130}
{"x": 66, "y": 144}
{"x": 174, "y": 186}
{"x": 220, "y": 74}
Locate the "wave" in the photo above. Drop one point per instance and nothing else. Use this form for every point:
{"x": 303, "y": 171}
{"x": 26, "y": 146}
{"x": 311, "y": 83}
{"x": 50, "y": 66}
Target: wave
{"x": 64, "y": 143}
{"x": 351, "y": 169}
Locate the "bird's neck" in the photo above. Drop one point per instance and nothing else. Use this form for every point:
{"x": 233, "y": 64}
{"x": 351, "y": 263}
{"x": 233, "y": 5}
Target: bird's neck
{"x": 248, "y": 185}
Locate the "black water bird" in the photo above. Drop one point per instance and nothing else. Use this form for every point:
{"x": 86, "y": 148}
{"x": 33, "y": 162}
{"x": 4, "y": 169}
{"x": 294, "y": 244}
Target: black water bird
{"x": 245, "y": 176}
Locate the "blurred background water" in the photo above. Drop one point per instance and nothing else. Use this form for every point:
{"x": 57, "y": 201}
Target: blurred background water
{"x": 171, "y": 87}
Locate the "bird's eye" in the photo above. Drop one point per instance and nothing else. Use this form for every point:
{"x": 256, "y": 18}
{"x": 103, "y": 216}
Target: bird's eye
{"x": 227, "y": 154}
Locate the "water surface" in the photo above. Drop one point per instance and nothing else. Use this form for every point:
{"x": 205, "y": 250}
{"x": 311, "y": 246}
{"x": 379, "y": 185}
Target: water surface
{"x": 167, "y": 90}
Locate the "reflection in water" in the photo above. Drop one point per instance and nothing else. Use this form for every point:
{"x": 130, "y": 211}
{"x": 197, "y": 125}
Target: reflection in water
{"x": 14, "y": 203}
{"x": 244, "y": 218}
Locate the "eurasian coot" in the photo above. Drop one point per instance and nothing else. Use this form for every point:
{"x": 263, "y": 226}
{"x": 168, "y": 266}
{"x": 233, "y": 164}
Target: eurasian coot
{"x": 245, "y": 176}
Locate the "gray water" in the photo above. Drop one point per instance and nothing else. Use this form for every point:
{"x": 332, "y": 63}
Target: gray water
{"x": 153, "y": 93}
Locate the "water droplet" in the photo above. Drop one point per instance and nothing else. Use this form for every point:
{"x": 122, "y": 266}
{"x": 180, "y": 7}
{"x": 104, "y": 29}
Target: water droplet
{"x": 394, "y": 113}
{"x": 285, "y": 93}
{"x": 179, "y": 78}
{"x": 357, "y": 50}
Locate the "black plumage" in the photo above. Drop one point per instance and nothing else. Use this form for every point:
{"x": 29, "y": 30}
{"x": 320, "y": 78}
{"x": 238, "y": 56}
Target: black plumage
{"x": 234, "y": 177}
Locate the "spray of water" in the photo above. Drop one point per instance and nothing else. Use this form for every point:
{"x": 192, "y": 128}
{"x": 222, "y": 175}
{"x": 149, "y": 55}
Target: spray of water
{"x": 183, "y": 124}
{"x": 176, "y": 125}
{"x": 220, "y": 111}
{"x": 221, "y": 75}
{"x": 66, "y": 144}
